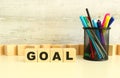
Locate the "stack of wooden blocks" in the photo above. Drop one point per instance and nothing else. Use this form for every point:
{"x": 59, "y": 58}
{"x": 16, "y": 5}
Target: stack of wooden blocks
{"x": 74, "y": 49}
{"x": 12, "y": 49}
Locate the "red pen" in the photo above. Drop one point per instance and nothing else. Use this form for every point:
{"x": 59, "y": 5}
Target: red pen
{"x": 92, "y": 50}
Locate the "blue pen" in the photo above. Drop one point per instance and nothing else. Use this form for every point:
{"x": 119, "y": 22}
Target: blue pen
{"x": 99, "y": 24}
{"x": 83, "y": 21}
{"x": 96, "y": 26}
{"x": 111, "y": 21}
{"x": 94, "y": 22}
{"x": 101, "y": 34}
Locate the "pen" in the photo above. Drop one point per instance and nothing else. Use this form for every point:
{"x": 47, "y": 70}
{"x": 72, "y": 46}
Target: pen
{"x": 89, "y": 17}
{"x": 92, "y": 50}
{"x": 111, "y": 21}
{"x": 94, "y": 22}
{"x": 101, "y": 33}
{"x": 83, "y": 21}
{"x": 87, "y": 21}
{"x": 107, "y": 21}
{"x": 99, "y": 24}
{"x": 103, "y": 23}
{"x": 99, "y": 44}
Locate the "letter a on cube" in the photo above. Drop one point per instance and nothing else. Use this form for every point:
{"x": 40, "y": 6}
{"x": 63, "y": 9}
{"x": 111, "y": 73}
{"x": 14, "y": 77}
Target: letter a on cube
{"x": 56, "y": 54}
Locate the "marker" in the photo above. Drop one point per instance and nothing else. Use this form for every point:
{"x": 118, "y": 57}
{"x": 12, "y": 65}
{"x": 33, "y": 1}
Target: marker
{"x": 111, "y": 21}
{"x": 105, "y": 19}
{"x": 89, "y": 17}
{"x": 83, "y": 21}
{"x": 94, "y": 22}
{"x": 99, "y": 24}
{"x": 96, "y": 30}
{"x": 91, "y": 50}
{"x": 87, "y": 21}
{"x": 101, "y": 33}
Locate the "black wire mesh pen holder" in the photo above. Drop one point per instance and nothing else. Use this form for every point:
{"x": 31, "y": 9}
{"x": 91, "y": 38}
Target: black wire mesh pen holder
{"x": 96, "y": 43}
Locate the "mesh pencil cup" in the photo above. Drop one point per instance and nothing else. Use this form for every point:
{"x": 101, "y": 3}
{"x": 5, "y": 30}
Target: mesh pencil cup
{"x": 96, "y": 43}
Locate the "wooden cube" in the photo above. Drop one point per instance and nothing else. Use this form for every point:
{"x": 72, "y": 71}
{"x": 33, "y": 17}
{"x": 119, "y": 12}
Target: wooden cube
{"x": 10, "y": 50}
{"x": 110, "y": 51}
{"x": 76, "y": 46}
{"x": 81, "y": 49}
{"x": 46, "y": 46}
{"x": 118, "y": 49}
{"x": 56, "y": 54}
{"x": 58, "y": 46}
{"x": 32, "y": 46}
{"x": 21, "y": 49}
{"x": 69, "y": 54}
{"x": 44, "y": 55}
{"x": 1, "y": 49}
{"x": 37, "y": 46}
{"x": 30, "y": 55}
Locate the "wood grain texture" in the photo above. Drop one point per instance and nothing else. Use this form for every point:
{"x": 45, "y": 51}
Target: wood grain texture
{"x": 1, "y": 49}
{"x": 118, "y": 50}
{"x": 76, "y": 46}
{"x": 10, "y": 50}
